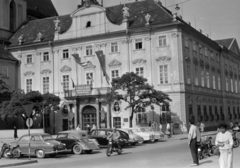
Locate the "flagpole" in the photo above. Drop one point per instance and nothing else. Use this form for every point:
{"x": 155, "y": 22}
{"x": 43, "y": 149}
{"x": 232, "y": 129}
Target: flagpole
{"x": 76, "y": 71}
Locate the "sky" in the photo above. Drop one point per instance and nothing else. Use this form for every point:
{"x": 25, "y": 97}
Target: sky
{"x": 217, "y": 18}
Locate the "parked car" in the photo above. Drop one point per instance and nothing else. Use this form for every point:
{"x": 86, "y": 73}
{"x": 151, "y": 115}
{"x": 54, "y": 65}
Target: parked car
{"x": 41, "y": 144}
{"x": 157, "y": 134}
{"x": 101, "y": 136}
{"x": 77, "y": 141}
{"x": 145, "y": 135}
{"x": 133, "y": 138}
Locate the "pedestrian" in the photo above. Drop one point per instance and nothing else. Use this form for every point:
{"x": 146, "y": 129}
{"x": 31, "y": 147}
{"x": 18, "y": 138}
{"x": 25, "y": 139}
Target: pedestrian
{"x": 88, "y": 129}
{"x": 78, "y": 128}
{"x": 93, "y": 127}
{"x": 202, "y": 126}
{"x": 224, "y": 141}
{"x": 15, "y": 132}
{"x": 193, "y": 141}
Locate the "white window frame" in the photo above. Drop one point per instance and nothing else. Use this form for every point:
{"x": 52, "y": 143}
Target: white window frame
{"x": 194, "y": 46}
{"x": 219, "y": 82}
{"x": 66, "y": 84}
{"x": 162, "y": 40}
{"x": 165, "y": 75}
{"x": 27, "y": 59}
{"x": 214, "y": 81}
{"x": 186, "y": 42}
{"x": 65, "y": 54}
{"x": 231, "y": 82}
{"x": 236, "y": 86}
{"x": 88, "y": 81}
{"x": 113, "y": 76}
{"x": 139, "y": 70}
{"x": 5, "y": 68}
{"x": 46, "y": 55}
{"x": 114, "y": 47}
{"x": 46, "y": 84}
{"x": 208, "y": 79}
{"x": 89, "y": 50}
{"x": 227, "y": 84}
{"x": 188, "y": 73}
{"x": 202, "y": 78}
{"x": 31, "y": 86}
{"x": 136, "y": 41}
{"x": 196, "y": 76}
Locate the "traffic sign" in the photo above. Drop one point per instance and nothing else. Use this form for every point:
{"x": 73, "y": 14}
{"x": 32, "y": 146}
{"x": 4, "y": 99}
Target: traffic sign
{"x": 29, "y": 122}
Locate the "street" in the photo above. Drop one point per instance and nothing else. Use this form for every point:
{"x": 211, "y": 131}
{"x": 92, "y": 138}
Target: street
{"x": 168, "y": 154}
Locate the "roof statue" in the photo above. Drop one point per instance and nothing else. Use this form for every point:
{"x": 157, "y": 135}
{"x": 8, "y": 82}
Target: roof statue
{"x": 20, "y": 40}
{"x": 125, "y": 11}
{"x": 39, "y": 37}
{"x": 57, "y": 26}
{"x": 88, "y": 3}
{"x": 147, "y": 18}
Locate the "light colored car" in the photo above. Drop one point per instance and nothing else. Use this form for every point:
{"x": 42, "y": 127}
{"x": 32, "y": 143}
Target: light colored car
{"x": 157, "y": 135}
{"x": 133, "y": 138}
{"x": 145, "y": 135}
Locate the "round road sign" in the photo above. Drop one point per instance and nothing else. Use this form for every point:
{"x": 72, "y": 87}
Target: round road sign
{"x": 29, "y": 122}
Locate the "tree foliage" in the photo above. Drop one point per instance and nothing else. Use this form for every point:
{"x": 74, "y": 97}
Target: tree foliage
{"x": 14, "y": 106}
{"x": 135, "y": 90}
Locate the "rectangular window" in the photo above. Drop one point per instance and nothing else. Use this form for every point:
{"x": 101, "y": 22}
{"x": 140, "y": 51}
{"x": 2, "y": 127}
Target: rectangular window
{"x": 206, "y": 52}
{"x": 29, "y": 59}
{"x": 196, "y": 76}
{"x": 236, "y": 86}
{"x": 65, "y": 82}
{"x": 115, "y": 74}
{"x": 4, "y": 71}
{"x": 219, "y": 82}
{"x": 89, "y": 78}
{"x": 162, "y": 41}
{"x": 194, "y": 46}
{"x": 45, "y": 85}
{"x": 207, "y": 79}
{"x": 114, "y": 47}
{"x": 45, "y": 56}
{"x": 231, "y": 85}
{"x": 140, "y": 71}
{"x": 188, "y": 74}
{"x": 202, "y": 78}
{"x": 28, "y": 85}
{"x": 138, "y": 44}
{"x": 89, "y": 50}
{"x": 186, "y": 42}
{"x": 214, "y": 82}
{"x": 227, "y": 84}
{"x": 65, "y": 54}
{"x": 218, "y": 58}
{"x": 163, "y": 74}
{"x": 117, "y": 122}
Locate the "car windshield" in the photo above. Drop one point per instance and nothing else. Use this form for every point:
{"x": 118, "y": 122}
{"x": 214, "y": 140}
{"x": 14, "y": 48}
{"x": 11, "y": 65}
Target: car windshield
{"x": 47, "y": 137}
{"x": 136, "y": 130}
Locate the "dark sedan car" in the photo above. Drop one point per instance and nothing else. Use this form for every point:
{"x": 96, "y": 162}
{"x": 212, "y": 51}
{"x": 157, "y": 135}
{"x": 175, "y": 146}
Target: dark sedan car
{"x": 41, "y": 144}
{"x": 101, "y": 136}
{"x": 77, "y": 141}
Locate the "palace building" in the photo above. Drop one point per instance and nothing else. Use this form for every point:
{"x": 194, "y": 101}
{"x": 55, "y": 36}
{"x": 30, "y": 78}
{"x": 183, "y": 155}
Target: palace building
{"x": 200, "y": 75}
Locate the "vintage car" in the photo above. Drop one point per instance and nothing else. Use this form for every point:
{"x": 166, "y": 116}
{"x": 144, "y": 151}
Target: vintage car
{"x": 77, "y": 141}
{"x": 101, "y": 136}
{"x": 40, "y": 145}
{"x": 145, "y": 135}
{"x": 157, "y": 134}
{"x": 133, "y": 138}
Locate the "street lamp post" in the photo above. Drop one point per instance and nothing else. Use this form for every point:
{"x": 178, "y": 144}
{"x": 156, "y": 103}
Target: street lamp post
{"x": 44, "y": 117}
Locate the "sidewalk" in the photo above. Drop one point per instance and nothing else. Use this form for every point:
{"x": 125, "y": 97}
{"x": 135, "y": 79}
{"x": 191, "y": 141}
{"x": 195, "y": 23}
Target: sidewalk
{"x": 6, "y": 162}
{"x": 185, "y": 136}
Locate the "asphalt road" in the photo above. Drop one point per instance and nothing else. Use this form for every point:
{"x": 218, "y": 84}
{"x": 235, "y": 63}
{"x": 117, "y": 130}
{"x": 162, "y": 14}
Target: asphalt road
{"x": 169, "y": 154}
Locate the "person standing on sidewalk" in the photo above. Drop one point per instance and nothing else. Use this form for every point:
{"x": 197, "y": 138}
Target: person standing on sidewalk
{"x": 224, "y": 141}
{"x": 202, "y": 126}
{"x": 15, "y": 132}
{"x": 193, "y": 140}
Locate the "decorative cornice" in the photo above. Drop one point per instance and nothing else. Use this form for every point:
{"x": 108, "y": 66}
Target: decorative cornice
{"x": 29, "y": 73}
{"x": 163, "y": 59}
{"x": 46, "y": 71}
{"x": 139, "y": 61}
{"x": 89, "y": 66}
{"x": 174, "y": 34}
{"x": 56, "y": 51}
{"x": 39, "y": 53}
{"x": 114, "y": 63}
{"x": 65, "y": 68}
{"x": 147, "y": 38}
{"x": 126, "y": 41}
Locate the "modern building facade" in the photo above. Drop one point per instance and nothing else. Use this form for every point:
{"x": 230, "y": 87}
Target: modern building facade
{"x": 141, "y": 37}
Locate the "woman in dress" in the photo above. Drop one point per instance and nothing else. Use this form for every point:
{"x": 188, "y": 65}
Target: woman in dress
{"x": 224, "y": 141}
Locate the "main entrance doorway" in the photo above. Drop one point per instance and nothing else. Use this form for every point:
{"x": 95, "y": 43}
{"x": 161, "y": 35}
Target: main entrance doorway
{"x": 89, "y": 115}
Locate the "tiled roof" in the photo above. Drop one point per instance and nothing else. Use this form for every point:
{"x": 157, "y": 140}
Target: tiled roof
{"x": 225, "y": 42}
{"x": 137, "y": 10}
{"x": 5, "y": 54}
{"x": 45, "y": 26}
{"x": 43, "y": 8}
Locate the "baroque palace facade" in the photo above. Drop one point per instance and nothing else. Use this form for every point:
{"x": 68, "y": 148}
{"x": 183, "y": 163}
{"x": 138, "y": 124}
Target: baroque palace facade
{"x": 200, "y": 75}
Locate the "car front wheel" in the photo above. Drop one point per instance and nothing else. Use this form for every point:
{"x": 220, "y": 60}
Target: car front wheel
{"x": 77, "y": 150}
{"x": 40, "y": 154}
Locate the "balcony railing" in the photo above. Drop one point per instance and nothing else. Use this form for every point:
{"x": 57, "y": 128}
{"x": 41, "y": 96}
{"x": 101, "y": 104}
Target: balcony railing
{"x": 91, "y": 92}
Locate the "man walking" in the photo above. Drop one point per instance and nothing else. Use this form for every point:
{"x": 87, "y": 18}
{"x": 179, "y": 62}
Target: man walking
{"x": 193, "y": 140}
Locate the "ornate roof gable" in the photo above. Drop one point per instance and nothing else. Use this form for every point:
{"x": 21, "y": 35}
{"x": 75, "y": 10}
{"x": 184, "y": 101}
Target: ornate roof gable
{"x": 65, "y": 68}
{"x": 89, "y": 66}
{"x": 46, "y": 71}
{"x": 163, "y": 59}
{"x": 29, "y": 73}
{"x": 114, "y": 63}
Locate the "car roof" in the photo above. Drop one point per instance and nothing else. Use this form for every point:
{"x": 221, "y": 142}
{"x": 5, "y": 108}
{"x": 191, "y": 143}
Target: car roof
{"x": 74, "y": 132}
{"x": 36, "y": 134}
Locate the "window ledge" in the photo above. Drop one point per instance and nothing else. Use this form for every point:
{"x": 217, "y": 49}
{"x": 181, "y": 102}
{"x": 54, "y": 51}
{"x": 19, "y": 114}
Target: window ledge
{"x": 29, "y": 64}
{"x": 66, "y": 59}
{"x": 45, "y": 61}
{"x": 166, "y": 84}
{"x": 163, "y": 46}
{"x": 89, "y": 55}
{"x": 114, "y": 52}
{"x": 139, "y": 49}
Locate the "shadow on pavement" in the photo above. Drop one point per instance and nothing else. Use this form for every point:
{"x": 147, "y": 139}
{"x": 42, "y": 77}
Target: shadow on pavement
{"x": 124, "y": 153}
{"x": 207, "y": 161}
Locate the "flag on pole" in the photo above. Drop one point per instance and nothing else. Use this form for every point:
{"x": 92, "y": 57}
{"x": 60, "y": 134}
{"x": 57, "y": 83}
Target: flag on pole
{"x": 73, "y": 84}
{"x": 102, "y": 61}
{"x": 78, "y": 60}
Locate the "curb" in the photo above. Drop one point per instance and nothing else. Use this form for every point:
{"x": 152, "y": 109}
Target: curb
{"x": 18, "y": 164}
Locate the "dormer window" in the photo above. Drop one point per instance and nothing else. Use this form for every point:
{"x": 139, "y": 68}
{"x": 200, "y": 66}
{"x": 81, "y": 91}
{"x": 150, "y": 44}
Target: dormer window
{"x": 88, "y": 24}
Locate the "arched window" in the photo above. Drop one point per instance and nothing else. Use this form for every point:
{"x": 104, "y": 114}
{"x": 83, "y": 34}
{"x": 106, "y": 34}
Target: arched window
{"x": 12, "y": 18}
{"x": 88, "y": 24}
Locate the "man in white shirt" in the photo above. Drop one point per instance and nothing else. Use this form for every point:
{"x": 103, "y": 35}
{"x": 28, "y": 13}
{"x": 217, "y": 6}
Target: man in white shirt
{"x": 193, "y": 140}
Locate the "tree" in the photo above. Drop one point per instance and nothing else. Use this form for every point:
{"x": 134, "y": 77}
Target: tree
{"x": 135, "y": 90}
{"x": 14, "y": 107}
